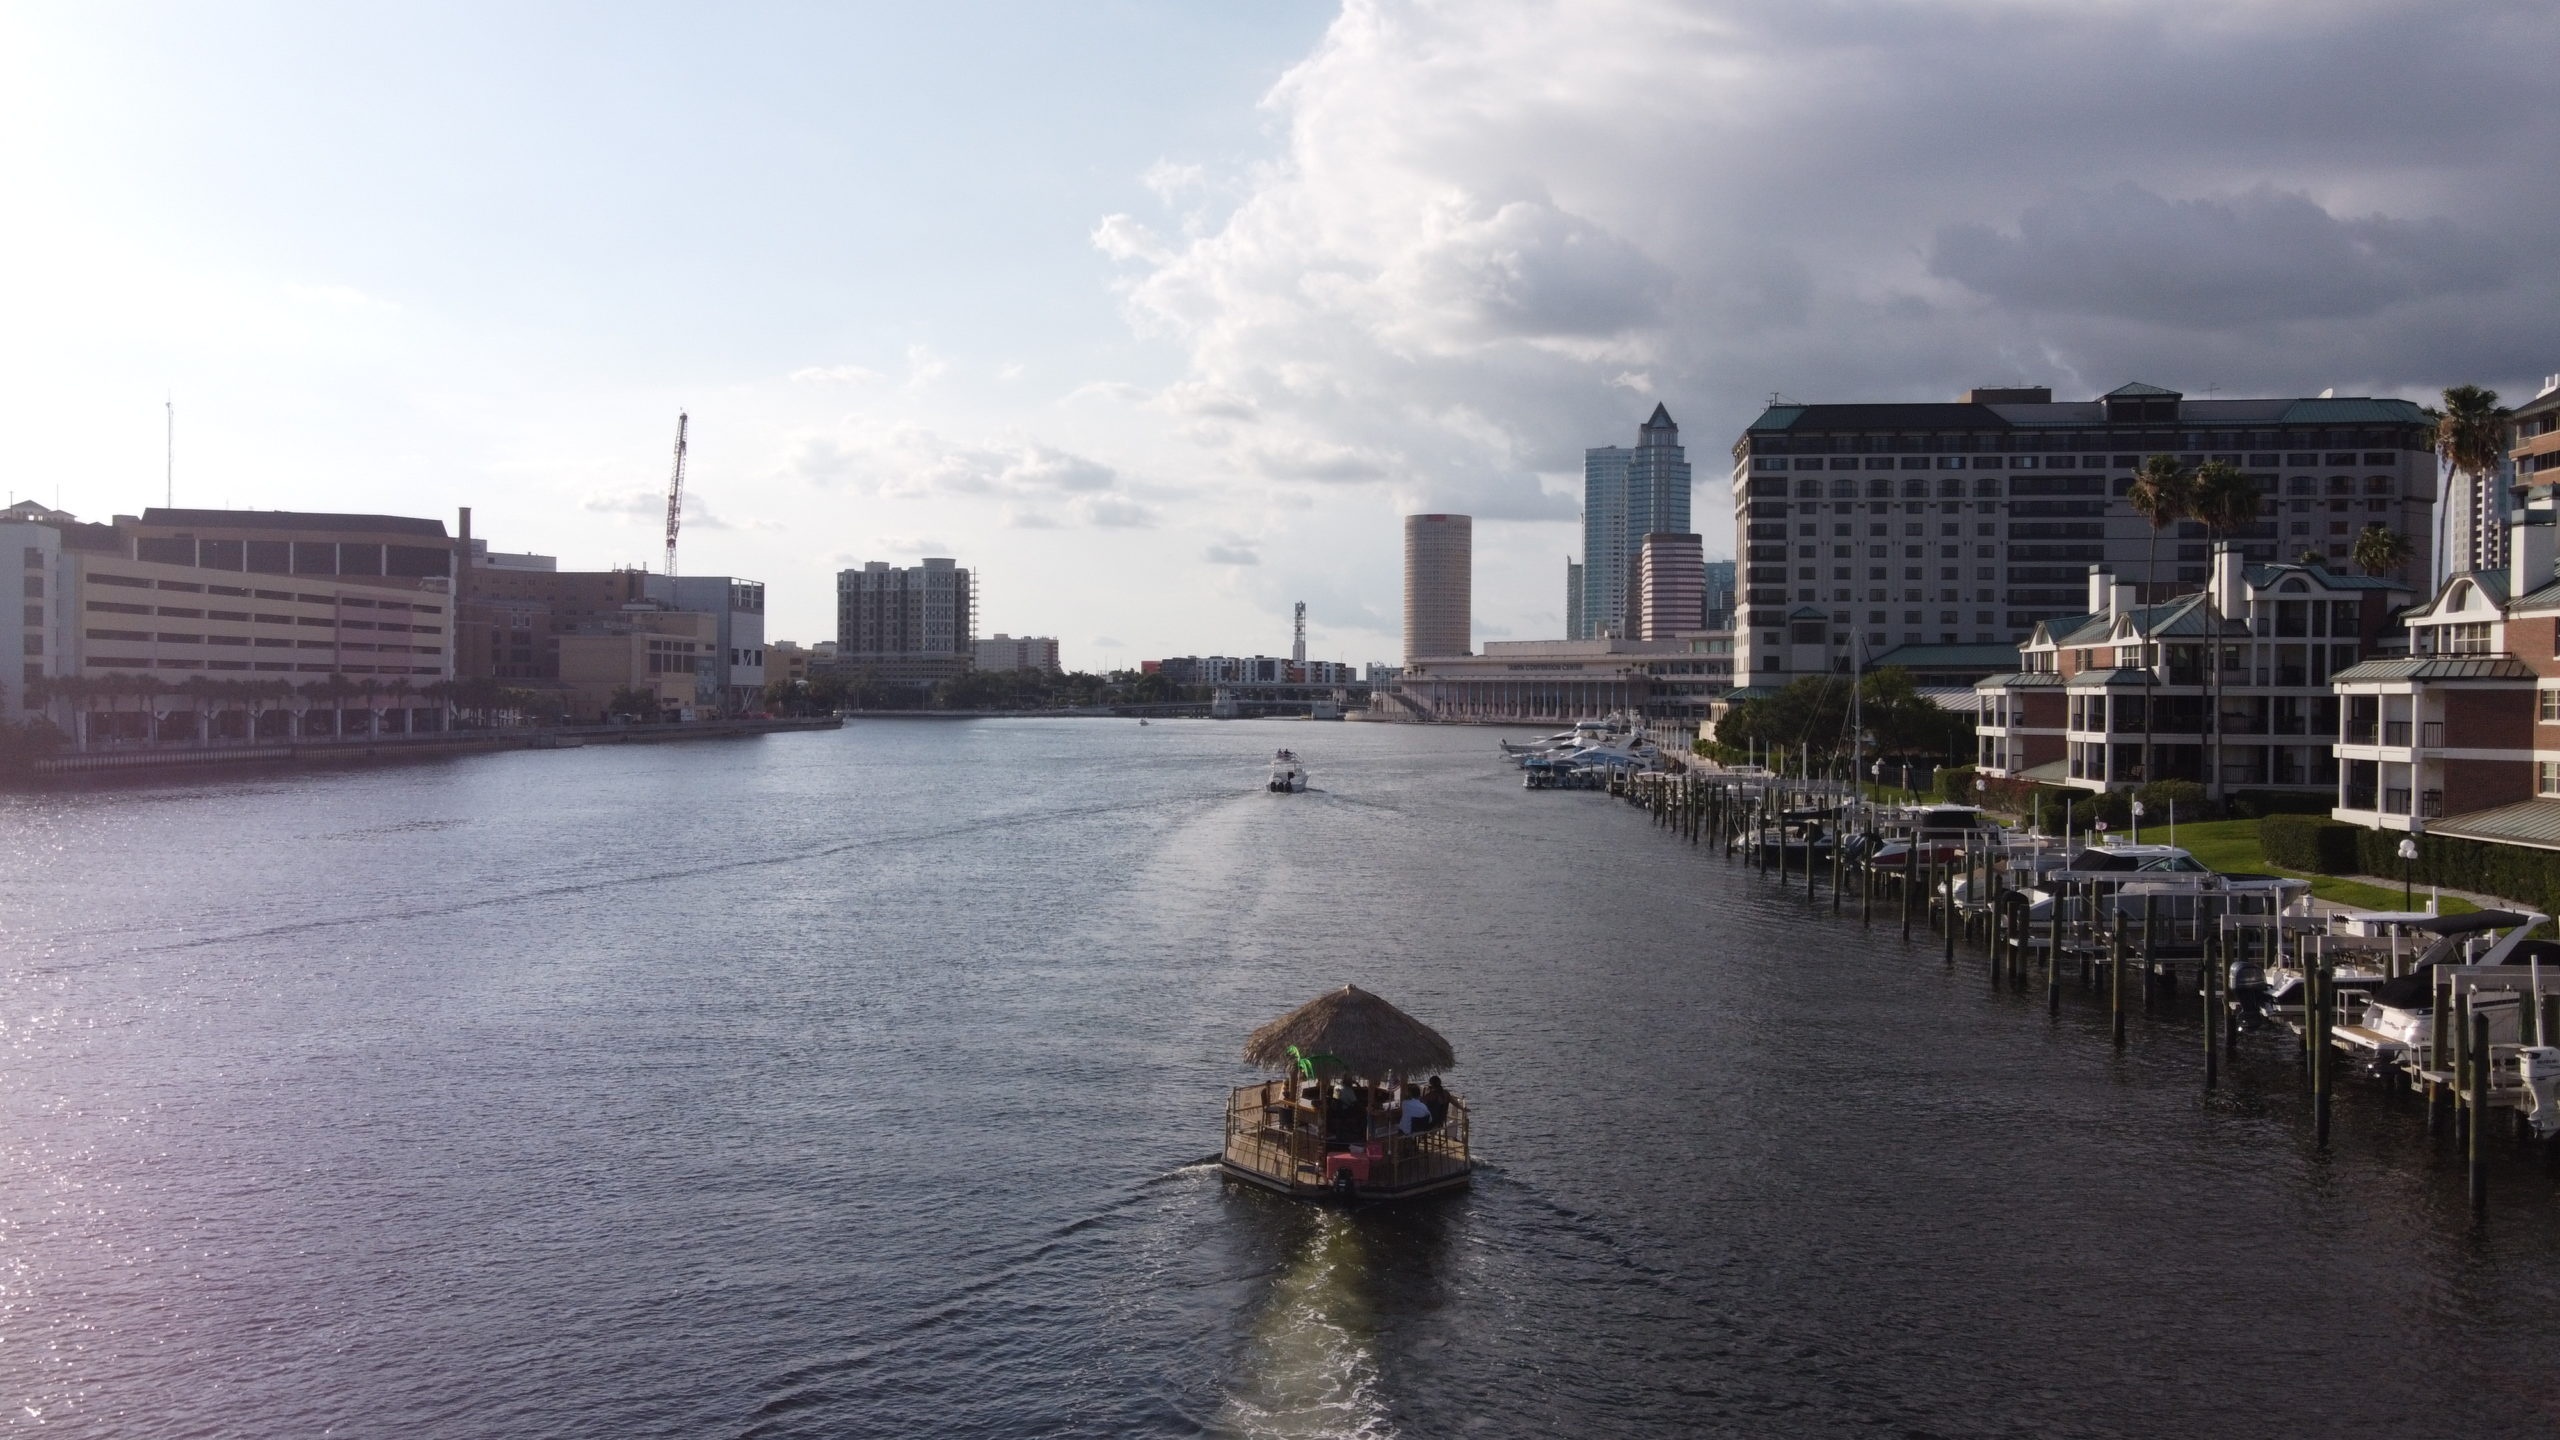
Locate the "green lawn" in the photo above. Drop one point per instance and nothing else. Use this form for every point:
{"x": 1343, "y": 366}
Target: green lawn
{"x": 2233, "y": 845}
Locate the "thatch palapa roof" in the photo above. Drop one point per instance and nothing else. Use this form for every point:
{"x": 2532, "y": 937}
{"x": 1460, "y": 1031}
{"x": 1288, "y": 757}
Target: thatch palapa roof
{"x": 1366, "y": 1034}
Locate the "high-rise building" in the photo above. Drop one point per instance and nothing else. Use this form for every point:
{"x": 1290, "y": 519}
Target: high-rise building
{"x": 910, "y": 624}
{"x": 1439, "y": 556}
{"x": 1573, "y": 627}
{"x": 1971, "y": 522}
{"x": 1627, "y": 495}
{"x": 1718, "y": 580}
{"x": 1670, "y": 586}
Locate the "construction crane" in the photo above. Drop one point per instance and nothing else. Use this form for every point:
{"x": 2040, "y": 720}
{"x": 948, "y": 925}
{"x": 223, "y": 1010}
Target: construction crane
{"x": 675, "y": 497}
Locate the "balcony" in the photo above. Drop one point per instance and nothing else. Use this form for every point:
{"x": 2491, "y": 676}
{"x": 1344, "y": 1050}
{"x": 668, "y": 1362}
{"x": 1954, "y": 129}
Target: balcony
{"x": 2431, "y": 805}
{"x": 2431, "y": 735}
{"x": 2395, "y": 801}
{"x": 2396, "y": 732}
{"x": 2361, "y": 730}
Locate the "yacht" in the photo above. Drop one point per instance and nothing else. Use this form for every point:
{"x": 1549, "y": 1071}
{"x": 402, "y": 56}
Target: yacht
{"x": 1288, "y": 773}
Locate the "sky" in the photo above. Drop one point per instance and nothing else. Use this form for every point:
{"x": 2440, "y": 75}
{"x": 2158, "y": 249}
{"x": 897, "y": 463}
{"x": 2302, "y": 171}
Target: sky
{"x": 1159, "y": 315}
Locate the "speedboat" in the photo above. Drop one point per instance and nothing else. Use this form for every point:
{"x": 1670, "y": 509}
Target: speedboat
{"x": 1288, "y": 774}
{"x": 2397, "y": 1024}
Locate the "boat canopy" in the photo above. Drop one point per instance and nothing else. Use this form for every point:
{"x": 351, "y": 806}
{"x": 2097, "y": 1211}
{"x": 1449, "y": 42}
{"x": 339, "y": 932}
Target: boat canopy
{"x": 1361, "y": 1034}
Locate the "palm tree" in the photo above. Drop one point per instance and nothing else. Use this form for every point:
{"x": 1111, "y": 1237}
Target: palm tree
{"x": 400, "y": 690}
{"x": 2312, "y": 559}
{"x": 2471, "y": 433}
{"x": 2225, "y": 501}
{"x": 2380, "y": 550}
{"x": 2163, "y": 493}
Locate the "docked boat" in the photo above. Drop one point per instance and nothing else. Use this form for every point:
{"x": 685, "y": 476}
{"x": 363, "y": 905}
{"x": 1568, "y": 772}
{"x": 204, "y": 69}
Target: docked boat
{"x": 1288, "y": 773}
{"x": 2469, "y": 954}
{"x": 1347, "y": 1114}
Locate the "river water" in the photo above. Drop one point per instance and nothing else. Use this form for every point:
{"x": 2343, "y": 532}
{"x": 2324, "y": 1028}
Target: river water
{"x": 862, "y": 1082}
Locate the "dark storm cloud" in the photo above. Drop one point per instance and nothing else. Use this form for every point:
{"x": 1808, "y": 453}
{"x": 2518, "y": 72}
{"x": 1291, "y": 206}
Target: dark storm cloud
{"x": 2211, "y": 264}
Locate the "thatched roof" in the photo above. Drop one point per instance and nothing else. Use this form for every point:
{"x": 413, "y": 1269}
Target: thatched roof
{"x": 1366, "y": 1034}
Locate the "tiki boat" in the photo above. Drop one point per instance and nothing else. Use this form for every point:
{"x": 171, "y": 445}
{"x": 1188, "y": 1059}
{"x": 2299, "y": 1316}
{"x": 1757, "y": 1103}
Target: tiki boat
{"x": 1334, "y": 1123}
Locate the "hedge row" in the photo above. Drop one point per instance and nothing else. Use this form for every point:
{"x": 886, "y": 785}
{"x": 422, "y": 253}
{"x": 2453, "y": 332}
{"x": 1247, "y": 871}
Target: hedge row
{"x": 2329, "y": 847}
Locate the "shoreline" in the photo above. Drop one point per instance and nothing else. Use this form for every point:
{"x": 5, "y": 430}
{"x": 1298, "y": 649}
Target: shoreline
{"x": 382, "y": 749}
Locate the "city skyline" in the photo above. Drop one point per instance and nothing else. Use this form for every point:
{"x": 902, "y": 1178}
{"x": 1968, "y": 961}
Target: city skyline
{"x": 1084, "y": 347}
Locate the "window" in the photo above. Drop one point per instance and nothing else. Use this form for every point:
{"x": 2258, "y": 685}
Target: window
{"x": 2547, "y": 706}
{"x": 2546, "y": 777}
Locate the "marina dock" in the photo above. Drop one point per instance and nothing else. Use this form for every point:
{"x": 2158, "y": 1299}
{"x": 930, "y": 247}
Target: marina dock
{"x": 2161, "y": 947}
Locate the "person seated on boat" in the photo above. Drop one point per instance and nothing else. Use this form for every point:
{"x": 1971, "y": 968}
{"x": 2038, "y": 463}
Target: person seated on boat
{"x": 1346, "y": 1120}
{"x": 1437, "y": 1099}
{"x": 1413, "y": 1114}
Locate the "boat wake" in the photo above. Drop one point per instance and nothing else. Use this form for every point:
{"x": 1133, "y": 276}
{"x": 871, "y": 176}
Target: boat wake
{"x": 1309, "y": 1366}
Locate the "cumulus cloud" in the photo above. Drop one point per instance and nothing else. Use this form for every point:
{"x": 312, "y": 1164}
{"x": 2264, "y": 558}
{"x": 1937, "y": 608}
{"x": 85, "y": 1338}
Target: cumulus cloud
{"x": 651, "y": 506}
{"x": 1232, "y": 554}
{"x": 1113, "y": 511}
{"x": 1498, "y": 232}
{"x": 1033, "y": 483}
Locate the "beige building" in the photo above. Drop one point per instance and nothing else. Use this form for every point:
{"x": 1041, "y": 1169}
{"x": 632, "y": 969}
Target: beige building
{"x": 1018, "y": 652}
{"x": 1439, "y": 559}
{"x": 201, "y": 626}
{"x": 665, "y": 653}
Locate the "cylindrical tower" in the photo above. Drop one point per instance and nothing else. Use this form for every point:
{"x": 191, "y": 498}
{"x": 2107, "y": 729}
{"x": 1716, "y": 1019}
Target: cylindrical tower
{"x": 1439, "y": 563}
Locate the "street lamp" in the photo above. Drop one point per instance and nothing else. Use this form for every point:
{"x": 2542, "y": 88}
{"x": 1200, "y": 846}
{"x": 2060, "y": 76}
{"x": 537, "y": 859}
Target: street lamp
{"x": 2137, "y": 822}
{"x": 2408, "y": 857}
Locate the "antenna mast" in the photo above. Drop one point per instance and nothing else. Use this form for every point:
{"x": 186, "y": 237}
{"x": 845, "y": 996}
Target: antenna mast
{"x": 169, "y": 474}
{"x": 675, "y": 496}
{"x": 1298, "y": 651}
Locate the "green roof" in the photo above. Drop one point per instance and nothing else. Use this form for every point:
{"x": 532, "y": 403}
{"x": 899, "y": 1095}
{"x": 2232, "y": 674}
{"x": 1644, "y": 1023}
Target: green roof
{"x": 2353, "y": 410}
{"x": 2527, "y": 822}
{"x": 1947, "y": 657}
{"x": 2433, "y": 667}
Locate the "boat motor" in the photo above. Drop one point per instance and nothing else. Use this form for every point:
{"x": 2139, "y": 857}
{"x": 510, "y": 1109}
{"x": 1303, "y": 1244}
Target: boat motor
{"x": 2538, "y": 1066}
{"x": 2252, "y": 999}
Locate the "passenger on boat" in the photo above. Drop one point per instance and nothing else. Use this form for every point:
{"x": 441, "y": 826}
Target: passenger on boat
{"x": 1413, "y": 1114}
{"x": 1346, "y": 1120}
{"x": 1438, "y": 1100}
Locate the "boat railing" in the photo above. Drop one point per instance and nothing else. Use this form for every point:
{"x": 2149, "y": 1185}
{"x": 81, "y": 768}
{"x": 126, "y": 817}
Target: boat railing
{"x": 1273, "y": 1132}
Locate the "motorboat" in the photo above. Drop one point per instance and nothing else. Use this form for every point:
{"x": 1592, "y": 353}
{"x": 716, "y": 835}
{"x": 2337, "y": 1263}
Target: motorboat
{"x": 2396, "y": 1026}
{"x": 1342, "y": 1115}
{"x": 1288, "y": 773}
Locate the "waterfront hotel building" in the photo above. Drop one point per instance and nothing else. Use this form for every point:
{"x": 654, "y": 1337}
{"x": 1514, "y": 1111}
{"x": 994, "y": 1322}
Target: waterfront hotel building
{"x": 156, "y": 628}
{"x": 1972, "y": 522}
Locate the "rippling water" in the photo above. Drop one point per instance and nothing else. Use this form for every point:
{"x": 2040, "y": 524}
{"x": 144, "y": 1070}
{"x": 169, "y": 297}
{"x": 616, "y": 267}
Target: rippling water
{"x": 861, "y": 1083}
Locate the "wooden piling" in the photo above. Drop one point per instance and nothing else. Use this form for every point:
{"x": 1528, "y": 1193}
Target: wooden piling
{"x": 2479, "y": 1107}
{"x": 2207, "y": 975}
{"x": 2115, "y": 982}
{"x": 1867, "y": 880}
{"x": 2324, "y": 1056}
{"x": 1910, "y": 863}
{"x": 2053, "y": 953}
{"x": 2150, "y": 919}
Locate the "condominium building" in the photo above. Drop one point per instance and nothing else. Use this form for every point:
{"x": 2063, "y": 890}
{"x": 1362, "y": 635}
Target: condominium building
{"x": 178, "y": 615}
{"x": 1018, "y": 652}
{"x": 1972, "y": 522}
{"x": 2125, "y": 693}
{"x": 1439, "y": 556}
{"x": 1627, "y": 494}
{"x": 906, "y": 624}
